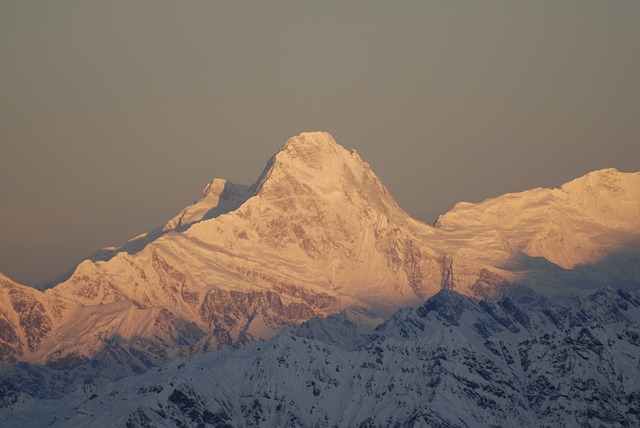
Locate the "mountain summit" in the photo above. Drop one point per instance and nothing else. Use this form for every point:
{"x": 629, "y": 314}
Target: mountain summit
{"x": 314, "y": 165}
{"x": 591, "y": 224}
{"x": 316, "y": 234}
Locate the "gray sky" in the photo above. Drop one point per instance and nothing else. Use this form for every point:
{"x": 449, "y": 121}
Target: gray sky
{"x": 114, "y": 115}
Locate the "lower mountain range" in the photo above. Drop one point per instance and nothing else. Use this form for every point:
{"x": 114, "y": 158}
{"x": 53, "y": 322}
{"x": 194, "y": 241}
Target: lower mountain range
{"x": 516, "y": 319}
{"x": 451, "y": 362}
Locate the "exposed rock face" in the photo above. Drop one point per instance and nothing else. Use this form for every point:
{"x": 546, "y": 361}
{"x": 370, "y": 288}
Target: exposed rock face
{"x": 237, "y": 318}
{"x": 27, "y": 317}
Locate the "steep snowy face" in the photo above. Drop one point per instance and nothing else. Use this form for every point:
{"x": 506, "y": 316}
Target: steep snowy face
{"x": 608, "y": 196}
{"x": 581, "y": 224}
{"x": 313, "y": 165}
{"x": 320, "y": 215}
{"x": 218, "y": 197}
{"x": 316, "y": 233}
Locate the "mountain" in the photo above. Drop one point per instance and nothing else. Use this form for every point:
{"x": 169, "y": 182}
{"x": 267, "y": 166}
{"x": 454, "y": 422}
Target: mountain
{"x": 589, "y": 223}
{"x": 559, "y": 241}
{"x": 27, "y": 318}
{"x": 450, "y": 362}
{"x": 317, "y": 234}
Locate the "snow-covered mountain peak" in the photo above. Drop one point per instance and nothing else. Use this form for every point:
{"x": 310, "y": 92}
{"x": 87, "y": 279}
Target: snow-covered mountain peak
{"x": 606, "y": 177}
{"x": 591, "y": 221}
{"x": 313, "y": 166}
{"x": 310, "y": 141}
{"x": 218, "y": 197}
{"x": 309, "y": 150}
{"x": 224, "y": 189}
{"x": 321, "y": 213}
{"x": 604, "y": 181}
{"x": 214, "y": 187}
{"x": 318, "y": 233}
{"x": 608, "y": 195}
{"x": 319, "y": 146}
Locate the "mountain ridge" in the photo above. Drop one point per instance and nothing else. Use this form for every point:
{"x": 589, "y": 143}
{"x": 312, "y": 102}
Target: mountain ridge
{"x": 316, "y": 234}
{"x": 451, "y": 361}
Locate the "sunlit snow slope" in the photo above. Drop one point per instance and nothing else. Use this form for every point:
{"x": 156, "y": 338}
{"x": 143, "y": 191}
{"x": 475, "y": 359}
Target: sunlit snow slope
{"x": 316, "y": 234}
{"x": 581, "y": 235}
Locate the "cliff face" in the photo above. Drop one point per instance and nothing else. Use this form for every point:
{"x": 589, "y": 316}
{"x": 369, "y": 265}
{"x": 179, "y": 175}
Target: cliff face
{"x": 27, "y": 318}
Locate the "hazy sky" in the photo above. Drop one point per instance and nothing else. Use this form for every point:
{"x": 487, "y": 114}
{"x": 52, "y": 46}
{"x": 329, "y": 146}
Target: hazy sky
{"x": 114, "y": 115}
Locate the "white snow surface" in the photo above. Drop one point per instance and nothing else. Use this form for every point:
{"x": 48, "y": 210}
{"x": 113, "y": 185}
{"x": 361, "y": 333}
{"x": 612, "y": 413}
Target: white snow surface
{"x": 316, "y": 234}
